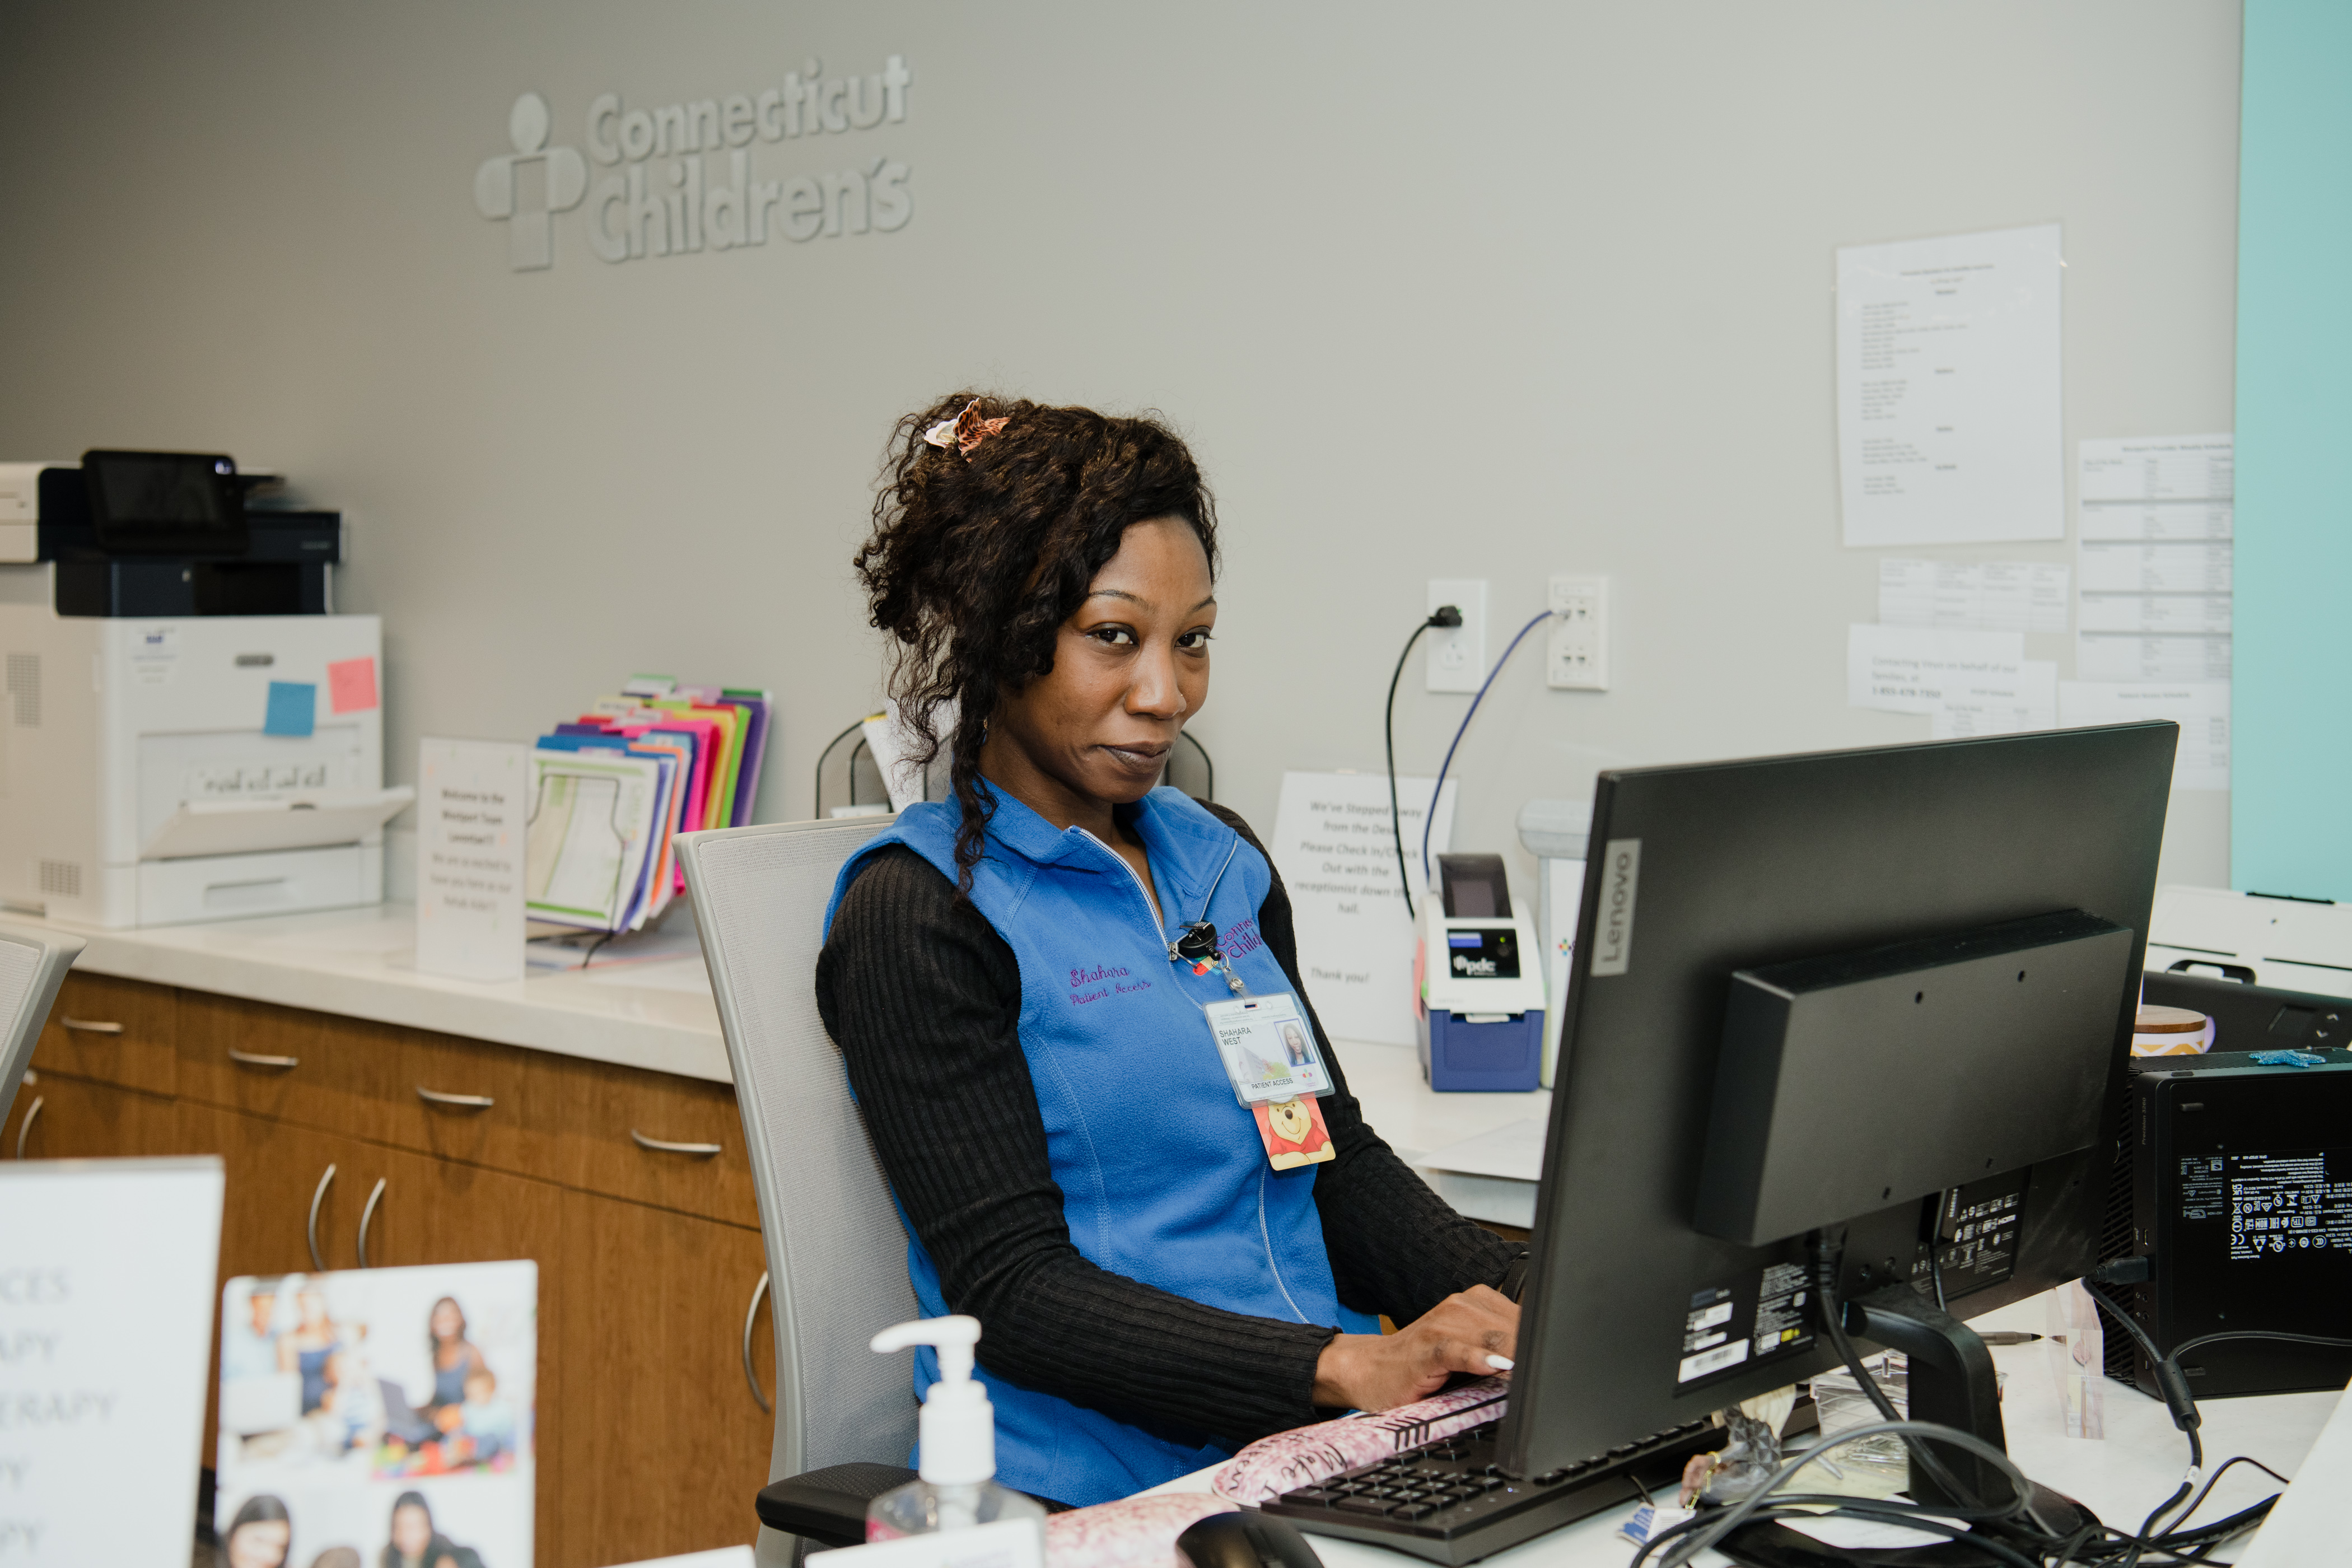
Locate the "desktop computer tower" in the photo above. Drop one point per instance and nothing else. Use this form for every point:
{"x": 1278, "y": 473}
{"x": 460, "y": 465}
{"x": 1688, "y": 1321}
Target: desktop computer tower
{"x": 2235, "y": 1182}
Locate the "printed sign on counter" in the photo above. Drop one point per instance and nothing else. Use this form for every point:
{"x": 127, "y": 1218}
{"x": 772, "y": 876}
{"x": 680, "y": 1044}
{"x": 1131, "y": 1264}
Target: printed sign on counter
{"x": 1333, "y": 846}
{"x": 471, "y": 802}
{"x": 106, "y": 1293}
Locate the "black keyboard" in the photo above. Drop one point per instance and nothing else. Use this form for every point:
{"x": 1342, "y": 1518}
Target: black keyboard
{"x": 1450, "y": 1501}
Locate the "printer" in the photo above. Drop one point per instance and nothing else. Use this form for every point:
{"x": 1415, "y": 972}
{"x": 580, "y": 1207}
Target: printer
{"x": 2256, "y": 939}
{"x": 185, "y": 732}
{"x": 1479, "y": 991}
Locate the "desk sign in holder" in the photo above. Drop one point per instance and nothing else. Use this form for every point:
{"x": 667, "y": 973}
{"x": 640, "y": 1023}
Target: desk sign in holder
{"x": 471, "y": 811}
{"x": 106, "y": 1312}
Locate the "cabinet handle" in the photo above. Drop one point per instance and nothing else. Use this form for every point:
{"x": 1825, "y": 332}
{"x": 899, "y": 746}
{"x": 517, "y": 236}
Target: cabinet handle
{"x": 749, "y": 1318}
{"x": 311, "y": 1229}
{"x": 367, "y": 1215}
{"x": 246, "y": 1059}
{"x": 24, "y": 1131}
{"x": 701, "y": 1151}
{"x": 90, "y": 1026}
{"x": 462, "y": 1101}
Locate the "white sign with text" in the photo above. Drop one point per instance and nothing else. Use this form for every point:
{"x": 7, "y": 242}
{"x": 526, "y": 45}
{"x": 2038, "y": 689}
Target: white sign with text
{"x": 471, "y": 805}
{"x": 1333, "y": 845}
{"x": 105, "y": 1313}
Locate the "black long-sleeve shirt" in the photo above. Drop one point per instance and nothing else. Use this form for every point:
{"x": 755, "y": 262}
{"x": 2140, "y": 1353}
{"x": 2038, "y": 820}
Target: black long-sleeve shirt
{"x": 924, "y": 998}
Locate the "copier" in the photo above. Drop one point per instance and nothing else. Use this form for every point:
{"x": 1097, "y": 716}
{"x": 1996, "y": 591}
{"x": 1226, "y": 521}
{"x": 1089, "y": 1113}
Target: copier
{"x": 186, "y": 731}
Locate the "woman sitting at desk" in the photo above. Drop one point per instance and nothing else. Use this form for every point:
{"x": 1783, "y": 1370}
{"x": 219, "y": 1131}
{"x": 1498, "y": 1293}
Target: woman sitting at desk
{"x": 1169, "y": 1256}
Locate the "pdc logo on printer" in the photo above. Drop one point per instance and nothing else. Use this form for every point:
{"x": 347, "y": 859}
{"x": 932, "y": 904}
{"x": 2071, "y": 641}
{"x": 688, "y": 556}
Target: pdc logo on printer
{"x": 688, "y": 177}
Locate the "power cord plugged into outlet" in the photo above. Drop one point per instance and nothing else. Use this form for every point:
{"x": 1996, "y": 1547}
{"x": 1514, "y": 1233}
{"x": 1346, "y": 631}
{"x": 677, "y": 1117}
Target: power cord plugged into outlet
{"x": 1445, "y": 618}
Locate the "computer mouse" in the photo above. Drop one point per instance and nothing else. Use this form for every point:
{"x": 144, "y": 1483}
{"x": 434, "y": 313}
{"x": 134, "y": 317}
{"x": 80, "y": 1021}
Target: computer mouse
{"x": 1246, "y": 1539}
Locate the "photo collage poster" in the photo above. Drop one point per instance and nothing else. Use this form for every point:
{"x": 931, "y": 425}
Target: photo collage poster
{"x": 379, "y": 1418}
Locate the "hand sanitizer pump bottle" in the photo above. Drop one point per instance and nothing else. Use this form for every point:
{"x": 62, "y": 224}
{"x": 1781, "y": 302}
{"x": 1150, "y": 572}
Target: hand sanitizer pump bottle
{"x": 957, "y": 1448}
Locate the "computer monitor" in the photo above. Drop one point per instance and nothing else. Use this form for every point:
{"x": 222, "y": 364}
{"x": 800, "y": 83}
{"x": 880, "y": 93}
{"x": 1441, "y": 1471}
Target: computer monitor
{"x": 1761, "y": 928}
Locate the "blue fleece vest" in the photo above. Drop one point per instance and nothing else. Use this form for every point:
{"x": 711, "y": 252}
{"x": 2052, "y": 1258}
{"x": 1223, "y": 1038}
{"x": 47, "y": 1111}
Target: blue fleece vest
{"x": 1164, "y": 1177}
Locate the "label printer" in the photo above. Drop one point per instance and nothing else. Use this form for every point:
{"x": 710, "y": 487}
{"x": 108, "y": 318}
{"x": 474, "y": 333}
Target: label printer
{"x": 185, "y": 735}
{"x": 1480, "y": 990}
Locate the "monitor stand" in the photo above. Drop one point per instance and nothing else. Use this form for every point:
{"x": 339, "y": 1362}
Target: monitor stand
{"x": 1952, "y": 1383}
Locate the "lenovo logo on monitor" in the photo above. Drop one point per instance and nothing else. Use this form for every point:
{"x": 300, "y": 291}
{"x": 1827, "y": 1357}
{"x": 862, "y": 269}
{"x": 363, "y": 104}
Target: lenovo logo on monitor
{"x": 1621, "y": 876}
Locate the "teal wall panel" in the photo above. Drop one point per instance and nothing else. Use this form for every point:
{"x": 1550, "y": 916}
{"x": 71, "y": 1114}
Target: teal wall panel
{"x": 2291, "y": 700}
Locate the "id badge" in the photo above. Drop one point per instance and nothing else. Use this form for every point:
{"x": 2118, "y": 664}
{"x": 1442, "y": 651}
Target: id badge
{"x": 1268, "y": 1048}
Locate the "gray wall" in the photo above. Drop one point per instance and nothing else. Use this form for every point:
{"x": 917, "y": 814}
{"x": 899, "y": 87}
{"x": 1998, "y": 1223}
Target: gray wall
{"x": 1468, "y": 291}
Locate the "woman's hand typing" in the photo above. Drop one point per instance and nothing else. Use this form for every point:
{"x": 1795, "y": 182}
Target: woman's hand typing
{"x": 1380, "y": 1371}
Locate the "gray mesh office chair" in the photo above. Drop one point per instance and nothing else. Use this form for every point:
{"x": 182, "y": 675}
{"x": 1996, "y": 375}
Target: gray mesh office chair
{"x": 836, "y": 1250}
{"x": 33, "y": 964}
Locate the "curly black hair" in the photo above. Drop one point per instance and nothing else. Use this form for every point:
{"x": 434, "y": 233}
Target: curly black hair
{"x": 978, "y": 556}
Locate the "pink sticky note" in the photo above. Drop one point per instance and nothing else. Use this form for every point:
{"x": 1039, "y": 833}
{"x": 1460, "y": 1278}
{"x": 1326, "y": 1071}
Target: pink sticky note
{"x": 350, "y": 685}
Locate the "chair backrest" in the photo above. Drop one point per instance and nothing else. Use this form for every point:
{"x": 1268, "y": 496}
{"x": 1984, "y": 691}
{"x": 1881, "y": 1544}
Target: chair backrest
{"x": 33, "y": 964}
{"x": 836, "y": 1249}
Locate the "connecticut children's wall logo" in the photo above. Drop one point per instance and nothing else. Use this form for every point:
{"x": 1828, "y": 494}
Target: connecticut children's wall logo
{"x": 683, "y": 176}
{"x": 528, "y": 186}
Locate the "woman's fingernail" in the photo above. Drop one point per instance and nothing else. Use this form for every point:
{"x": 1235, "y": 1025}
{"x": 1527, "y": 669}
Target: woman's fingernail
{"x": 1499, "y": 1362}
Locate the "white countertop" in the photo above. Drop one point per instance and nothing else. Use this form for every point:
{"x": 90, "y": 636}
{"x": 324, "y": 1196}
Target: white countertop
{"x": 2119, "y": 1477}
{"x": 645, "y": 1002}
{"x": 653, "y": 1013}
{"x": 1481, "y": 1152}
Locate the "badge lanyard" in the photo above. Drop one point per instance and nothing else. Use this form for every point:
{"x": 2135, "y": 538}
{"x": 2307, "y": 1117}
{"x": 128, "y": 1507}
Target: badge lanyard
{"x": 1267, "y": 1048}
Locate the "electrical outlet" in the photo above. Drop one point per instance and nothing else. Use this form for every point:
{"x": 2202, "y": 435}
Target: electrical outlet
{"x": 1576, "y": 652}
{"x": 1457, "y": 655}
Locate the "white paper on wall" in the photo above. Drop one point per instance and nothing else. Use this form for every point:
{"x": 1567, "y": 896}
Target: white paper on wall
{"x": 2158, "y": 468}
{"x": 1948, "y": 389}
{"x": 1973, "y": 595}
{"x": 106, "y": 1326}
{"x": 2133, "y": 655}
{"x": 2000, "y": 707}
{"x": 1917, "y": 669}
{"x": 2200, "y": 708}
{"x": 2154, "y": 564}
{"x": 1332, "y": 844}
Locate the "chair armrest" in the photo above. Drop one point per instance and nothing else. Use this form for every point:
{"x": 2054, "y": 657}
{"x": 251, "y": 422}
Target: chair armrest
{"x": 828, "y": 1506}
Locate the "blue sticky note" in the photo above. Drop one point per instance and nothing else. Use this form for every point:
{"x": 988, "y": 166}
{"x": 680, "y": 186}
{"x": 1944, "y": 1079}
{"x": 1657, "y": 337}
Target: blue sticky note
{"x": 293, "y": 708}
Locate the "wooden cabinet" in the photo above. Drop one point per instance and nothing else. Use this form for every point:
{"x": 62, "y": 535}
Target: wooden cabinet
{"x": 115, "y": 1031}
{"x": 654, "y": 1306}
{"x": 673, "y": 1143}
{"x": 58, "y": 1117}
{"x": 676, "y": 1143}
{"x": 308, "y": 1070}
{"x": 651, "y": 1442}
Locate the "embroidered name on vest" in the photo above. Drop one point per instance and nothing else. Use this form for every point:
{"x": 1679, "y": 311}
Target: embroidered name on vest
{"x": 1102, "y": 980}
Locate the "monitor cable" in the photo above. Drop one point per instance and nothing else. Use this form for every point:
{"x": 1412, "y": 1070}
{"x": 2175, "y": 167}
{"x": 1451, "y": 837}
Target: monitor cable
{"x": 1827, "y": 1253}
{"x": 1448, "y": 616}
{"x": 2172, "y": 1387}
{"x": 1695, "y": 1535}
